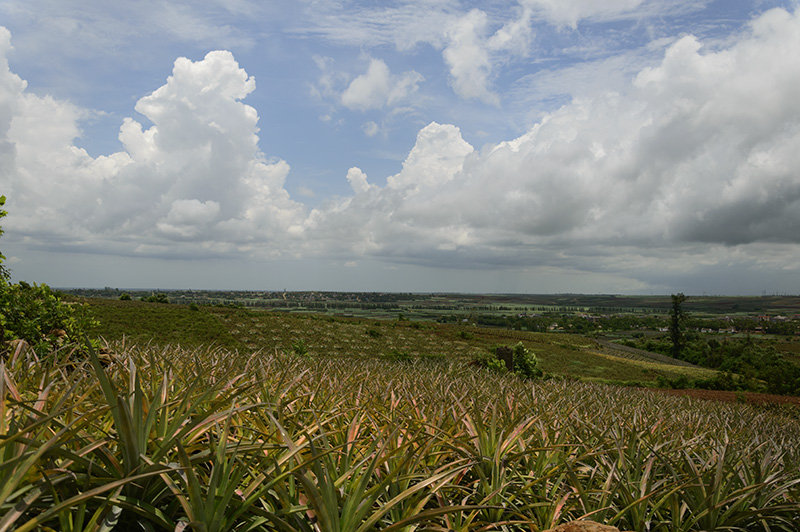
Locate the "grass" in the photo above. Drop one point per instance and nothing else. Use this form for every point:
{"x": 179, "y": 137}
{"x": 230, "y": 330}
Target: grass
{"x": 170, "y": 438}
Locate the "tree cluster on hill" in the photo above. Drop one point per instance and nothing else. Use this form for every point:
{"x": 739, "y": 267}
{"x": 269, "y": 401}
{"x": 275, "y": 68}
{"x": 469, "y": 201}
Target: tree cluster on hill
{"x": 760, "y": 367}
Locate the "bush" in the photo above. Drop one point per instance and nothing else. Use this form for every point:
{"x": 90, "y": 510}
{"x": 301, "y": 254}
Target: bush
{"x": 489, "y": 361}
{"x": 522, "y": 361}
{"x": 36, "y": 314}
{"x": 495, "y": 364}
{"x": 124, "y": 296}
{"x": 525, "y": 362}
{"x": 156, "y": 298}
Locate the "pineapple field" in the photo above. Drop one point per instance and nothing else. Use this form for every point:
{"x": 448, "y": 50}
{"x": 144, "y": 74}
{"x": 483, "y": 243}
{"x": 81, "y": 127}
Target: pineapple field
{"x": 137, "y": 435}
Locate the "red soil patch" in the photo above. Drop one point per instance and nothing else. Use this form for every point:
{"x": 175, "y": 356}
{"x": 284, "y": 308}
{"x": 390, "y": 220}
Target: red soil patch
{"x": 733, "y": 397}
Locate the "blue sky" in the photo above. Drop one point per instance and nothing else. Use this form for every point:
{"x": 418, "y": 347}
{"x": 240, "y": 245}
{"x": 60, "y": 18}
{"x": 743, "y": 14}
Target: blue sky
{"x": 628, "y": 146}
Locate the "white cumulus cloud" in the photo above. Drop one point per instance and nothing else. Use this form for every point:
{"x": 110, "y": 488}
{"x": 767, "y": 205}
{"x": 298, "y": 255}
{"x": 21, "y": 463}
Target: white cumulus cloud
{"x": 370, "y": 128}
{"x": 378, "y": 87}
{"x": 437, "y": 156}
{"x": 467, "y": 56}
{"x": 194, "y": 176}
{"x": 472, "y": 55}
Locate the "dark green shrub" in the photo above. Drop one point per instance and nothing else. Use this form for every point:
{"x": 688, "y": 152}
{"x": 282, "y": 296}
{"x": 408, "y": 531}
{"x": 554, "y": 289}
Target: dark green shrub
{"x": 156, "y": 298}
{"x": 525, "y": 362}
{"x": 124, "y": 296}
{"x": 36, "y": 314}
{"x": 490, "y": 361}
{"x": 495, "y": 364}
{"x": 504, "y": 358}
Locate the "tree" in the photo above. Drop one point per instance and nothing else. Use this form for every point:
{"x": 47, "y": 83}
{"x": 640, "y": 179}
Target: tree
{"x": 677, "y": 318}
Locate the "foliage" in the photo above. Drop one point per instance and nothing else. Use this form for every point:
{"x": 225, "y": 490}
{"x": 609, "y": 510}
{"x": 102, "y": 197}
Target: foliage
{"x": 37, "y": 314}
{"x": 721, "y": 381}
{"x": 759, "y": 366}
{"x": 399, "y": 355}
{"x": 525, "y": 362}
{"x": 517, "y": 358}
{"x": 489, "y": 360}
{"x": 139, "y": 322}
{"x": 173, "y": 439}
{"x": 257, "y": 330}
{"x": 156, "y": 297}
{"x": 125, "y": 296}
{"x": 677, "y": 320}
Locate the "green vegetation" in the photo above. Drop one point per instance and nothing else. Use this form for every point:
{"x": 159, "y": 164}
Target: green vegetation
{"x": 677, "y": 323}
{"x": 759, "y": 366}
{"x": 154, "y": 297}
{"x": 167, "y": 438}
{"x": 754, "y": 339}
{"x": 434, "y": 306}
{"x": 3, "y": 213}
{"x": 141, "y": 323}
{"x": 517, "y": 359}
{"x": 36, "y": 314}
{"x": 225, "y": 418}
{"x": 258, "y": 331}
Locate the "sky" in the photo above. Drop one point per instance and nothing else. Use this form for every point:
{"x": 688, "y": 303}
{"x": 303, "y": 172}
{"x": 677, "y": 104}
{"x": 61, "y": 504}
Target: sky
{"x": 504, "y": 146}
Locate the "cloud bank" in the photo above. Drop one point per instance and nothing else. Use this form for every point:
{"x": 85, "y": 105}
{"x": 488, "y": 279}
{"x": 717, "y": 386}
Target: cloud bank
{"x": 696, "y": 158}
{"x": 691, "y": 165}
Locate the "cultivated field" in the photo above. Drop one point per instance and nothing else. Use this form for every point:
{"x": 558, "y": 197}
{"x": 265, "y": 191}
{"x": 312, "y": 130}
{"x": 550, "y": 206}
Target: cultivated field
{"x": 167, "y": 438}
{"x": 568, "y": 355}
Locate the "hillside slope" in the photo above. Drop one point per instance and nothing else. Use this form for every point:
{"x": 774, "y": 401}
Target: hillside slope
{"x": 317, "y": 335}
